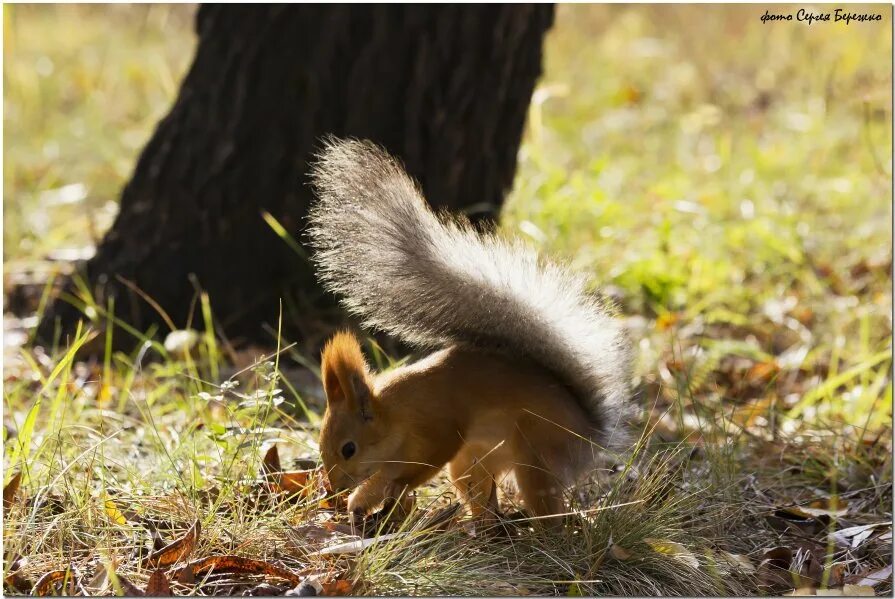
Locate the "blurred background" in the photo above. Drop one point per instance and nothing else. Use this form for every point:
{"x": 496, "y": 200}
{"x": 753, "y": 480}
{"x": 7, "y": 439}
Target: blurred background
{"x": 729, "y": 180}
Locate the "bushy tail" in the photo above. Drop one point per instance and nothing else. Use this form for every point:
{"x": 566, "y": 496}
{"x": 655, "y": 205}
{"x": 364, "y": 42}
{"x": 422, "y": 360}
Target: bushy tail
{"x": 434, "y": 281}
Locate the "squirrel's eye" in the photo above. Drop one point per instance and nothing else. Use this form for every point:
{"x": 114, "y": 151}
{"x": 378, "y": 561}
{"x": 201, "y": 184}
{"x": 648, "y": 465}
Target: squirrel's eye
{"x": 348, "y": 450}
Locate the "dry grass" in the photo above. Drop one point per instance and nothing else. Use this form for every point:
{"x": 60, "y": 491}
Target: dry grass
{"x": 737, "y": 206}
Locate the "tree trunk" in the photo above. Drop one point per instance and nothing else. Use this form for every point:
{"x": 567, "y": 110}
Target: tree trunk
{"x": 446, "y": 88}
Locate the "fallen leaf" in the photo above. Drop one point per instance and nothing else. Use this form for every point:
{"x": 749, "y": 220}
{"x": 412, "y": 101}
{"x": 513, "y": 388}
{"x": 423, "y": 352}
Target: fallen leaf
{"x": 334, "y": 502}
{"x": 239, "y": 565}
{"x": 798, "y": 521}
{"x": 113, "y": 512}
{"x": 874, "y": 578}
{"x": 295, "y": 481}
{"x": 675, "y": 550}
{"x": 158, "y": 585}
{"x": 835, "y": 576}
{"x": 358, "y": 545}
{"x": 783, "y": 567}
{"x": 860, "y": 538}
{"x": 176, "y": 550}
{"x": 185, "y": 575}
{"x": 47, "y": 583}
{"x": 271, "y": 462}
{"x": 128, "y": 589}
{"x": 619, "y": 553}
{"x": 853, "y": 536}
{"x": 10, "y": 490}
{"x": 14, "y": 577}
{"x": 19, "y": 582}
{"x": 837, "y": 508}
{"x": 337, "y": 588}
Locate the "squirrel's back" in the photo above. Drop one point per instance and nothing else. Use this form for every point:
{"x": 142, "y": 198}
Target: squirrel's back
{"x": 435, "y": 281}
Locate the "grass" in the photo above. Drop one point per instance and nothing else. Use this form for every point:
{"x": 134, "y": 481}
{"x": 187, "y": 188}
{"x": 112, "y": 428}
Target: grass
{"x": 728, "y": 181}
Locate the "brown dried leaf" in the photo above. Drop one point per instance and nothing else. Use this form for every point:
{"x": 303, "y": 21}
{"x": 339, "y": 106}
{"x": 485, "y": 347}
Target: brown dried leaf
{"x": 239, "y": 565}
{"x": 835, "y": 575}
{"x": 295, "y": 481}
{"x": 176, "y": 550}
{"x": 337, "y": 588}
{"x": 271, "y": 462}
{"x": 783, "y": 567}
{"x": 158, "y": 585}
{"x": 47, "y": 583}
{"x": 185, "y": 575}
{"x": 128, "y": 589}
{"x": 18, "y": 583}
{"x": 796, "y": 520}
{"x": 336, "y": 503}
{"x": 10, "y": 490}
{"x": 619, "y": 553}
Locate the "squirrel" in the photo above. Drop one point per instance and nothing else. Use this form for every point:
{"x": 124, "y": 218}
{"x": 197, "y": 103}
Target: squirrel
{"x": 530, "y": 375}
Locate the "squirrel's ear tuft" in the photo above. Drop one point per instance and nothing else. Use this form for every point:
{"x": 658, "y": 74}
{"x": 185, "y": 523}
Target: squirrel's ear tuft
{"x": 345, "y": 373}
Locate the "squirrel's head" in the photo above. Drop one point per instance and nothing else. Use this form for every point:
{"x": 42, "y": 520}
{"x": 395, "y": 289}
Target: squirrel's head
{"x": 354, "y": 440}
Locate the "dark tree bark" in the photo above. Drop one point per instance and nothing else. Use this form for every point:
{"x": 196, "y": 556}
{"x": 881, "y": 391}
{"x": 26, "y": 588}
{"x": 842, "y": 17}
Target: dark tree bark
{"x": 446, "y": 88}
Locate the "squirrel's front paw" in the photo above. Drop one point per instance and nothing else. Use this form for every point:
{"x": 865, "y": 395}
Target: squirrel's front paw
{"x": 356, "y": 503}
{"x": 357, "y": 508}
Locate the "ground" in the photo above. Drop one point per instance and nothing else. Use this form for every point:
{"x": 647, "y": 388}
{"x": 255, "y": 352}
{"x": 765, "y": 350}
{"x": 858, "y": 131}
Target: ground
{"x": 727, "y": 181}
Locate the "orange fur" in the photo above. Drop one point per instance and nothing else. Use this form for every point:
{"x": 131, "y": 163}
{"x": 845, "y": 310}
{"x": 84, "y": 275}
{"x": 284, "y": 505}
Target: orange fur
{"x": 484, "y": 415}
{"x": 342, "y": 364}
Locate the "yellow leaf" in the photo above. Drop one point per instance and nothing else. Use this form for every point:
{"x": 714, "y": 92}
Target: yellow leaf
{"x": 113, "y": 512}
{"x": 675, "y": 550}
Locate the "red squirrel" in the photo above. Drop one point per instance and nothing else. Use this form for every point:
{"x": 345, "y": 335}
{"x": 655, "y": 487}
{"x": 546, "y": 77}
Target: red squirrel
{"x": 530, "y": 374}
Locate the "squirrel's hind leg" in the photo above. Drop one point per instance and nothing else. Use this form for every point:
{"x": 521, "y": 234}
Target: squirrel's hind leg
{"x": 474, "y": 477}
{"x": 540, "y": 488}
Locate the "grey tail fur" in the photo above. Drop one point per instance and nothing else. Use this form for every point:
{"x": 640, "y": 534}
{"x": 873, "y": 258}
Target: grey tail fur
{"x": 434, "y": 281}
